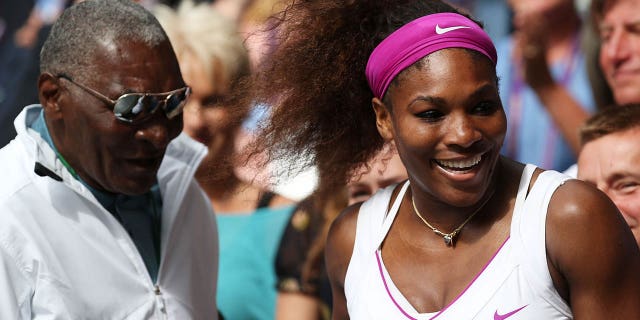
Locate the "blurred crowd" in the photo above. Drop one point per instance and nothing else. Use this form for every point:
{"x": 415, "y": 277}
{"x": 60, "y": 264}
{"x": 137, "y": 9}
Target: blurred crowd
{"x": 556, "y": 69}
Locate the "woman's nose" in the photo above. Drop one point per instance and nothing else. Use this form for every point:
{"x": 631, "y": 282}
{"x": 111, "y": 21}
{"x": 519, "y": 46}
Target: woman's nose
{"x": 461, "y": 131}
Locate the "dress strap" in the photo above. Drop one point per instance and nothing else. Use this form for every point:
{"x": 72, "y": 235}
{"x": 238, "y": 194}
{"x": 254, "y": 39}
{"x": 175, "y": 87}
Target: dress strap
{"x": 523, "y": 188}
{"x": 391, "y": 214}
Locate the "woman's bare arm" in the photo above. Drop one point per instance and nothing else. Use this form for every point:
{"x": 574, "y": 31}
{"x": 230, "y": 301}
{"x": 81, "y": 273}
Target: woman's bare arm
{"x": 340, "y": 242}
{"x": 593, "y": 257}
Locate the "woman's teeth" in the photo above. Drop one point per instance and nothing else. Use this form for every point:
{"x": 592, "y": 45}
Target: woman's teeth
{"x": 460, "y": 164}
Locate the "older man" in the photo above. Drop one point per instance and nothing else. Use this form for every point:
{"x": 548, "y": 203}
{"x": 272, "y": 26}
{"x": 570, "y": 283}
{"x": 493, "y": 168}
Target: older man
{"x": 101, "y": 217}
{"x": 618, "y": 22}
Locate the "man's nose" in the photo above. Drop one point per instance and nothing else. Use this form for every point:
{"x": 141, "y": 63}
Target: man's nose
{"x": 616, "y": 49}
{"x": 156, "y": 131}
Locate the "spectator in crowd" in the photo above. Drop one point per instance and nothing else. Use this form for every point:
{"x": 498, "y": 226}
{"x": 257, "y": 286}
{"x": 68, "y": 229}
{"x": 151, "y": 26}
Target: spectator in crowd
{"x": 101, "y": 216}
{"x": 304, "y": 289}
{"x": 251, "y": 218}
{"x": 449, "y": 242}
{"x": 617, "y": 22}
{"x": 610, "y": 159}
{"x": 544, "y": 83}
{"x": 383, "y": 170}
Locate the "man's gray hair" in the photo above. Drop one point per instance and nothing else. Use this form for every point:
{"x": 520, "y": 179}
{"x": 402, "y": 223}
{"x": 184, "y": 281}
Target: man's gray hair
{"x": 82, "y": 28}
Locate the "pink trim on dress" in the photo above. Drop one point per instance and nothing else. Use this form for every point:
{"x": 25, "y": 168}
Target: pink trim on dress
{"x": 384, "y": 281}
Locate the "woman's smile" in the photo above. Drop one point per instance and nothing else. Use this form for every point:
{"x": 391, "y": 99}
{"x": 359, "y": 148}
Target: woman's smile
{"x": 459, "y": 165}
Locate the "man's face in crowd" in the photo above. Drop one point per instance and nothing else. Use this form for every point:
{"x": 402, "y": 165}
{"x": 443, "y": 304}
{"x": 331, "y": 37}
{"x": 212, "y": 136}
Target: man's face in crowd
{"x": 611, "y": 163}
{"x": 107, "y": 153}
{"x": 619, "y": 29}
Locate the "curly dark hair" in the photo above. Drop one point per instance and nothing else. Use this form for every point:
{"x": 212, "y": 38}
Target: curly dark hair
{"x": 315, "y": 81}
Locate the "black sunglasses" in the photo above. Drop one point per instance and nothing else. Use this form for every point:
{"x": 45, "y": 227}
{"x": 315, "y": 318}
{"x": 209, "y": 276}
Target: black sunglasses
{"x": 134, "y": 107}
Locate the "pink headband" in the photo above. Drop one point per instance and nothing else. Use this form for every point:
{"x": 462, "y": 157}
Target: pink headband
{"x": 419, "y": 38}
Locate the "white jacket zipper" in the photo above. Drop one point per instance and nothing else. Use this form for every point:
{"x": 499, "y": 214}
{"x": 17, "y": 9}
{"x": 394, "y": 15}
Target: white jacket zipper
{"x": 160, "y": 301}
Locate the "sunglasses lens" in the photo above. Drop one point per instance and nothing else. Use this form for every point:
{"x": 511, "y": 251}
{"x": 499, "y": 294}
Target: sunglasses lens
{"x": 175, "y": 103}
{"x": 129, "y": 106}
{"x": 134, "y": 106}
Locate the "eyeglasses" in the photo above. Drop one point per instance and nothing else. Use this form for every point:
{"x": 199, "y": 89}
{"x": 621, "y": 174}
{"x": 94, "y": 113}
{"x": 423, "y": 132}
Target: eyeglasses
{"x": 135, "y": 107}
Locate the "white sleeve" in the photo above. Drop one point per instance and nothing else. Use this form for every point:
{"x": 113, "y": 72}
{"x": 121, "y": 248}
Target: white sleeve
{"x": 15, "y": 290}
{"x": 572, "y": 171}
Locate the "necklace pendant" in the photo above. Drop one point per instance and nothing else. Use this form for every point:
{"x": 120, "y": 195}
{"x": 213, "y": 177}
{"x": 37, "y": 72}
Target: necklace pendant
{"x": 448, "y": 240}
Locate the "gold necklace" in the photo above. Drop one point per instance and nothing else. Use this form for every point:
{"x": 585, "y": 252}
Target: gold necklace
{"x": 449, "y": 238}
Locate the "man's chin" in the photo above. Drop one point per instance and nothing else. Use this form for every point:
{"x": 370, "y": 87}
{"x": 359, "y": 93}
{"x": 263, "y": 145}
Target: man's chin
{"x": 627, "y": 96}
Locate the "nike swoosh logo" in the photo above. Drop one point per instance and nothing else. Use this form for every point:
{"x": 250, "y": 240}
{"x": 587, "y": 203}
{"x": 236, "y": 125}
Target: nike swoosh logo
{"x": 448, "y": 29}
{"x": 497, "y": 316}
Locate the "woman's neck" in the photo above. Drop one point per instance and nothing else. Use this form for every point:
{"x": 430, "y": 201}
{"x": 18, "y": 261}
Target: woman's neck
{"x": 230, "y": 195}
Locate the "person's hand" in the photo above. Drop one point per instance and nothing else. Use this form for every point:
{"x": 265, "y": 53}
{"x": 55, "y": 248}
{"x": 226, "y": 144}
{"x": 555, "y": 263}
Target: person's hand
{"x": 530, "y": 49}
{"x": 26, "y": 36}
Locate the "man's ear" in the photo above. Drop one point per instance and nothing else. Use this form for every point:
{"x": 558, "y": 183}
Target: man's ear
{"x": 383, "y": 119}
{"x": 50, "y": 92}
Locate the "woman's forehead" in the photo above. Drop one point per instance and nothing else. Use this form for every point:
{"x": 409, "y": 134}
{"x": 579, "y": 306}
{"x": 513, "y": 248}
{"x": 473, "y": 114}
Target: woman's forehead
{"x": 450, "y": 66}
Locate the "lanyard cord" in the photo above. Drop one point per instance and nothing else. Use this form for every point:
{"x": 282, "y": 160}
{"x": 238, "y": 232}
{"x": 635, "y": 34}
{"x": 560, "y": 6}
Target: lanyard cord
{"x": 516, "y": 99}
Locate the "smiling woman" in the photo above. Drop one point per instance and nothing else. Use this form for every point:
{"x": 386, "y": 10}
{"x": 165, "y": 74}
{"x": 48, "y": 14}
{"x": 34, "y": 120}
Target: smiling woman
{"x": 423, "y": 75}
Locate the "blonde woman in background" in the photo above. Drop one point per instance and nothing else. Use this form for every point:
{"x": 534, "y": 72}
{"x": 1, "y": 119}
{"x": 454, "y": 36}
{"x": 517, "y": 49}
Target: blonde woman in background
{"x": 251, "y": 219}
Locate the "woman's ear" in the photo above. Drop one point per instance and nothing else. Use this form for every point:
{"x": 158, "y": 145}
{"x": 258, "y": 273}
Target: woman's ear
{"x": 49, "y": 92}
{"x": 383, "y": 119}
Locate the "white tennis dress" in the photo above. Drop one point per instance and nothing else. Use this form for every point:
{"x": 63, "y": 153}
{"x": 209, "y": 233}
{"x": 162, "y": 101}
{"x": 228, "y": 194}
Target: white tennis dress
{"x": 514, "y": 284}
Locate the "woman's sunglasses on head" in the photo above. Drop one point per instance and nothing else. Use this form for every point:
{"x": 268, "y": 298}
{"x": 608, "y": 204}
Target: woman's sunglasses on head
{"x": 134, "y": 107}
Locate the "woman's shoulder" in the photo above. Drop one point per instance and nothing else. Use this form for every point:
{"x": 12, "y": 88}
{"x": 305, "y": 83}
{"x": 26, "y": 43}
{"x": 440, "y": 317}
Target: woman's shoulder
{"x": 577, "y": 211}
{"x": 574, "y": 199}
{"x": 344, "y": 225}
{"x": 570, "y": 198}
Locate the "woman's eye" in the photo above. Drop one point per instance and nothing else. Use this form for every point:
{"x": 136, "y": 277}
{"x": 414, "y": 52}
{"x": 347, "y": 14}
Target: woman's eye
{"x": 430, "y": 115}
{"x": 486, "y": 107}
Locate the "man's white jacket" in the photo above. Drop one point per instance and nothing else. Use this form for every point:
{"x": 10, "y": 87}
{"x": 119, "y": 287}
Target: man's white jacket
{"x": 63, "y": 256}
